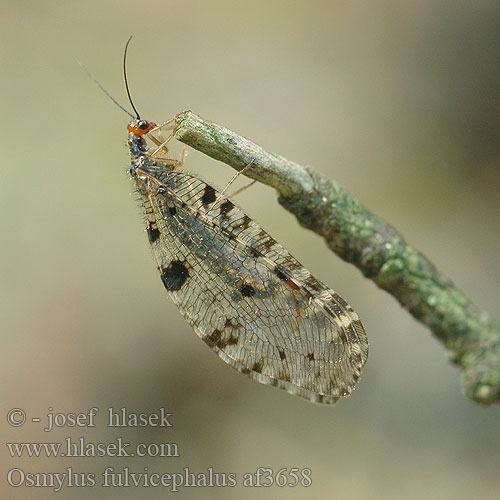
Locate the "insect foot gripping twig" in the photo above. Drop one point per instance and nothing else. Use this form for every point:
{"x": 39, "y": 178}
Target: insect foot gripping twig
{"x": 471, "y": 336}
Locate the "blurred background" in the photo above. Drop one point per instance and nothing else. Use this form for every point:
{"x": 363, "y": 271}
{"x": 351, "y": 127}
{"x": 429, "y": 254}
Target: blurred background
{"x": 396, "y": 100}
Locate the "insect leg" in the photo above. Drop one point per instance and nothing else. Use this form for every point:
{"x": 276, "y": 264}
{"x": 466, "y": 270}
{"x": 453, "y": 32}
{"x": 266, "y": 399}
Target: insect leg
{"x": 228, "y": 185}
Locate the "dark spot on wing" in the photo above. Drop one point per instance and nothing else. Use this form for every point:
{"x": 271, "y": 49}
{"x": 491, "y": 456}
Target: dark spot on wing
{"x": 232, "y": 340}
{"x": 245, "y": 222}
{"x": 172, "y": 210}
{"x": 214, "y": 338}
{"x": 282, "y": 354}
{"x": 257, "y": 367}
{"x": 310, "y": 356}
{"x": 247, "y": 290}
{"x": 245, "y": 371}
{"x": 226, "y": 207}
{"x": 174, "y": 276}
{"x": 153, "y": 232}
{"x": 208, "y": 195}
{"x": 268, "y": 243}
{"x": 283, "y": 275}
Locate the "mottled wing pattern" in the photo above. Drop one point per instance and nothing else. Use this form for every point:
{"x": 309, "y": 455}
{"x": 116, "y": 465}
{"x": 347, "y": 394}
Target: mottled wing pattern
{"x": 253, "y": 303}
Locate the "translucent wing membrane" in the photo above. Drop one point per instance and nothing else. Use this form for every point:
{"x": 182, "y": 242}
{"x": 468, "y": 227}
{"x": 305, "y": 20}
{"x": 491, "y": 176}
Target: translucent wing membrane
{"x": 250, "y": 301}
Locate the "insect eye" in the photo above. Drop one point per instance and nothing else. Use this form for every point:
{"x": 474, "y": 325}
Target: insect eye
{"x": 140, "y": 127}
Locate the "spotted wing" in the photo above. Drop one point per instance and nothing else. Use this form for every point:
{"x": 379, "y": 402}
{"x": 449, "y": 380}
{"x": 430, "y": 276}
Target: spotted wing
{"x": 253, "y": 303}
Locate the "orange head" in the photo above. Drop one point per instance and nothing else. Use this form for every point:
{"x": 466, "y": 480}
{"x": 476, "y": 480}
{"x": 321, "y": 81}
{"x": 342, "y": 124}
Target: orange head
{"x": 140, "y": 127}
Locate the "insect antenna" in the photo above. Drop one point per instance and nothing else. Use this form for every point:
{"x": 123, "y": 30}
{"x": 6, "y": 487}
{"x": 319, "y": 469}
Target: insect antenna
{"x": 91, "y": 76}
{"x": 125, "y": 78}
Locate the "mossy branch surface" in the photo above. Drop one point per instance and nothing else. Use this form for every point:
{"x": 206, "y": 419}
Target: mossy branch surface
{"x": 471, "y": 336}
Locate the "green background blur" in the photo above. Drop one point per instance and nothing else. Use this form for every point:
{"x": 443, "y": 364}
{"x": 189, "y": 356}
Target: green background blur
{"x": 398, "y": 101}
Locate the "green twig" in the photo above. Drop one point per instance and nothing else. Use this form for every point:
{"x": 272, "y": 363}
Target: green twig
{"x": 470, "y": 335}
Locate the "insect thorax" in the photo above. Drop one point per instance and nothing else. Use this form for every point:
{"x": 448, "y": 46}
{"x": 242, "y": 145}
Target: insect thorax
{"x": 140, "y": 158}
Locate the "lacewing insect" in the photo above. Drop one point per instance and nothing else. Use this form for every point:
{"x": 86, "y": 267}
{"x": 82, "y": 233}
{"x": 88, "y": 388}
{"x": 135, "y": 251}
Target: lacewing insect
{"x": 244, "y": 295}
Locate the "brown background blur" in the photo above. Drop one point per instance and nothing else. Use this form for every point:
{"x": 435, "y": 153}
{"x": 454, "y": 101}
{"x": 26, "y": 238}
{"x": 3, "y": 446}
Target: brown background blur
{"x": 396, "y": 100}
